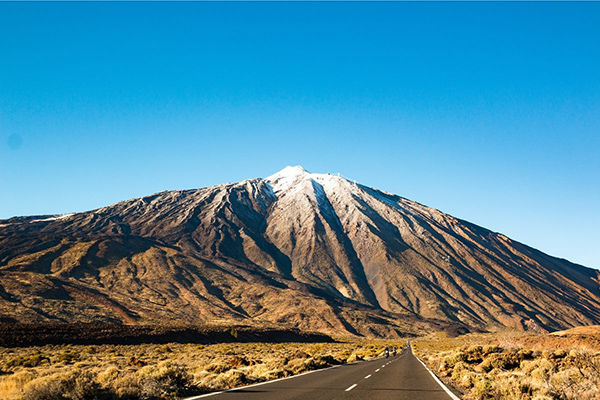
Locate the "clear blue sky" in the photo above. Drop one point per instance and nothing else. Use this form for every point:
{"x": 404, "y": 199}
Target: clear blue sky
{"x": 487, "y": 111}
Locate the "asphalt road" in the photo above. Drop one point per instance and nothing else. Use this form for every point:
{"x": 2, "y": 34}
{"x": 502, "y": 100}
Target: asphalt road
{"x": 400, "y": 378}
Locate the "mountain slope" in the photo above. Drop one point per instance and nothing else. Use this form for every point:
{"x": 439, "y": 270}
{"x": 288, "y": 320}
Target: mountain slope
{"x": 311, "y": 250}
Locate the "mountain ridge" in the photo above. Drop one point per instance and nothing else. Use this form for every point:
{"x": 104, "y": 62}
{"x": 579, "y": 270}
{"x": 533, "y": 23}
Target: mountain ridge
{"x": 315, "y": 251}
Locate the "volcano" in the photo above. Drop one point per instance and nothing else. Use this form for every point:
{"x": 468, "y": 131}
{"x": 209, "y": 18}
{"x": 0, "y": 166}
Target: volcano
{"x": 314, "y": 251}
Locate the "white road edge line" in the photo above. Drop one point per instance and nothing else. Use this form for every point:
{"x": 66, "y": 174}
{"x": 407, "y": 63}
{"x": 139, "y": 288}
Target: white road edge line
{"x": 448, "y": 391}
{"x": 271, "y": 381}
{"x": 368, "y": 376}
{"x": 256, "y": 384}
{"x": 350, "y": 388}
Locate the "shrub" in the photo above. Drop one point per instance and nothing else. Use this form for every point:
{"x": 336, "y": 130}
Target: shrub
{"x": 489, "y": 349}
{"x": 299, "y": 354}
{"x": 484, "y": 388}
{"x": 474, "y": 354}
{"x": 109, "y": 375}
{"x": 166, "y": 380}
{"x": 68, "y": 357}
{"x": 354, "y": 357}
{"x": 456, "y": 357}
{"x": 14, "y": 383}
{"x": 238, "y": 361}
{"x": 126, "y": 387}
{"x": 525, "y": 354}
{"x": 47, "y": 388}
{"x": 133, "y": 361}
{"x": 235, "y": 378}
{"x": 74, "y": 386}
{"x": 83, "y": 386}
{"x": 499, "y": 360}
{"x": 27, "y": 361}
{"x": 218, "y": 367}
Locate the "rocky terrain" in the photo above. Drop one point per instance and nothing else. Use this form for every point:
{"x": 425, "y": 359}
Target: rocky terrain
{"x": 14, "y": 334}
{"x": 312, "y": 251}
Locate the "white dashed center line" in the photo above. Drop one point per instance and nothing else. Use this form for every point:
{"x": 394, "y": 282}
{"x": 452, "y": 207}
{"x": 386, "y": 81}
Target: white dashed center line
{"x": 351, "y": 387}
{"x": 377, "y": 370}
{"x": 368, "y": 376}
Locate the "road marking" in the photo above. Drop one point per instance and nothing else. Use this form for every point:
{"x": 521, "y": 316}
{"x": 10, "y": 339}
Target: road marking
{"x": 368, "y": 376}
{"x": 257, "y": 384}
{"x": 377, "y": 370}
{"x": 271, "y": 381}
{"x": 351, "y": 387}
{"x": 452, "y": 395}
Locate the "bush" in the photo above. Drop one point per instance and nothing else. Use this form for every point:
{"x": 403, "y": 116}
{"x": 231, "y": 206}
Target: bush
{"x": 474, "y": 354}
{"x": 525, "y": 354}
{"x": 236, "y": 378}
{"x": 457, "y": 357}
{"x": 499, "y": 360}
{"x": 68, "y": 357}
{"x": 238, "y": 361}
{"x": 84, "y": 387}
{"x": 14, "y": 383}
{"x": 484, "y": 388}
{"x": 354, "y": 357}
{"x": 167, "y": 380}
{"x": 126, "y": 387}
{"x": 74, "y": 386}
{"x": 27, "y": 361}
{"x": 48, "y": 388}
{"x": 218, "y": 367}
{"x": 489, "y": 349}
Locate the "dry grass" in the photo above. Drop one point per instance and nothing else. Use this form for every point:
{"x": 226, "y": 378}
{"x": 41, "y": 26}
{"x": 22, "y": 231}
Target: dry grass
{"x": 515, "y": 366}
{"x": 170, "y": 371}
{"x": 580, "y": 330}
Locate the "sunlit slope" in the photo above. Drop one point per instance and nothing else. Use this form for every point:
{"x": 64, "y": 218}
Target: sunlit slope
{"x": 314, "y": 251}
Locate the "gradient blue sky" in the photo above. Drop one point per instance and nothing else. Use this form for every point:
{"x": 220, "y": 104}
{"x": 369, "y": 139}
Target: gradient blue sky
{"x": 487, "y": 111}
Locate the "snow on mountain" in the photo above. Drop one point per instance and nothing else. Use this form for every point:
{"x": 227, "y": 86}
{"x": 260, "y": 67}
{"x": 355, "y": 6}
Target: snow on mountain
{"x": 316, "y": 251}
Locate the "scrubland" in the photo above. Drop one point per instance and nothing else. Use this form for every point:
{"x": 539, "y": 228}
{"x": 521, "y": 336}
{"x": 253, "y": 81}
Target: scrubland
{"x": 164, "y": 371}
{"x": 516, "y": 366}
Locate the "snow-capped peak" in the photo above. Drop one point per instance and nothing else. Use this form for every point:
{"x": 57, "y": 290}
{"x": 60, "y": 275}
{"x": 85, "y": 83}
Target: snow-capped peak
{"x": 289, "y": 172}
{"x": 284, "y": 179}
{"x": 292, "y": 175}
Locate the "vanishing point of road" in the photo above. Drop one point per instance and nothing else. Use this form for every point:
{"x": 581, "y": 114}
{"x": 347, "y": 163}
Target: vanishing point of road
{"x": 402, "y": 377}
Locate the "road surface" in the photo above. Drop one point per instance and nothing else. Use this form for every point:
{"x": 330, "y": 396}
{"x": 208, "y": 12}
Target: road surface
{"x": 400, "y": 378}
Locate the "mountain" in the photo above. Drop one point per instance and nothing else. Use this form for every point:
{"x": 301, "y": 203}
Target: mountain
{"x": 314, "y": 251}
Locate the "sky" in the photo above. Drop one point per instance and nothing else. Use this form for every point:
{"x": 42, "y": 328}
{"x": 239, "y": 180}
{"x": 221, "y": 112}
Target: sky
{"x": 487, "y": 111}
